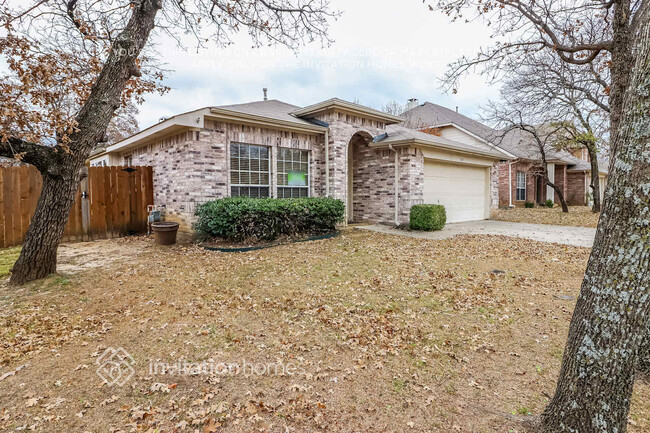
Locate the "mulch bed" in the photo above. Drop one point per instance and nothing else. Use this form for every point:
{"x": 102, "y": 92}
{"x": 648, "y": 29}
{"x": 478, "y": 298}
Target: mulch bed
{"x": 229, "y": 246}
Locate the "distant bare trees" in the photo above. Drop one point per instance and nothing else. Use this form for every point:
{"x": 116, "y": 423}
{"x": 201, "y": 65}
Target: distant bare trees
{"x": 572, "y": 97}
{"x": 394, "y": 108}
{"x": 514, "y": 123}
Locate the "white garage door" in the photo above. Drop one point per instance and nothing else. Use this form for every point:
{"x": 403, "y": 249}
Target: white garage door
{"x": 462, "y": 189}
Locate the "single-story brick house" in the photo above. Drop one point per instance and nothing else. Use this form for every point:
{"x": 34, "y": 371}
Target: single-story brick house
{"x": 365, "y": 157}
{"x": 518, "y": 177}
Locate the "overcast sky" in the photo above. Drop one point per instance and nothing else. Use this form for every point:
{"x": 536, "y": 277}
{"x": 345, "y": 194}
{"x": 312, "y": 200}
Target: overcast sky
{"x": 384, "y": 50}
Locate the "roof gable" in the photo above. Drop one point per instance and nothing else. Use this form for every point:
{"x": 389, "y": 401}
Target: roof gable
{"x": 434, "y": 115}
{"x": 360, "y": 110}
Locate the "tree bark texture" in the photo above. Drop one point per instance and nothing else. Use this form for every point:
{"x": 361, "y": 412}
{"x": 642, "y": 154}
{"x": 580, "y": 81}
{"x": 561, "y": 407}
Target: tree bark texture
{"x": 595, "y": 178}
{"x": 60, "y": 180}
{"x": 38, "y": 255}
{"x": 609, "y": 329}
{"x": 622, "y": 63}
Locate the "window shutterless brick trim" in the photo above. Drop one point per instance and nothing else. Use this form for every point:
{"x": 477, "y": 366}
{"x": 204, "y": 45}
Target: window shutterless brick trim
{"x": 250, "y": 170}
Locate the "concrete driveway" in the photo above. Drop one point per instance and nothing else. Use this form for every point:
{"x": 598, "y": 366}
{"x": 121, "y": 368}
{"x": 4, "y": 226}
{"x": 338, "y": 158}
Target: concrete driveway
{"x": 576, "y": 236}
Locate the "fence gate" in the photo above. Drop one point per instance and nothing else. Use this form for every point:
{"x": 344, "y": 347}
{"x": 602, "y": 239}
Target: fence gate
{"x": 110, "y": 202}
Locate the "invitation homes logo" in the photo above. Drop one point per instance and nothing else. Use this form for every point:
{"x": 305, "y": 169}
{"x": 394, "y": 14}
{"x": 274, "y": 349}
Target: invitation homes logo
{"x": 215, "y": 368}
{"x": 116, "y": 366}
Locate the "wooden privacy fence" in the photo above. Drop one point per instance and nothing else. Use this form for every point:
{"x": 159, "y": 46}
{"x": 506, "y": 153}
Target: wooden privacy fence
{"x": 110, "y": 202}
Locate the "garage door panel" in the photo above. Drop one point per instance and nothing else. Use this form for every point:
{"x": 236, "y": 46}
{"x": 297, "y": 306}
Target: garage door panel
{"x": 460, "y": 188}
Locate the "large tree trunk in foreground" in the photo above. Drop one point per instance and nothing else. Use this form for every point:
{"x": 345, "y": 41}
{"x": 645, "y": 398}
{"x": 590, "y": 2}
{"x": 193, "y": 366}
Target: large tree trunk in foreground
{"x": 38, "y": 255}
{"x": 61, "y": 169}
{"x": 609, "y": 328}
{"x": 595, "y": 178}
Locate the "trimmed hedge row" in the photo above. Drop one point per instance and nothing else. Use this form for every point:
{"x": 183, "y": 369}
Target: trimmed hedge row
{"x": 427, "y": 217}
{"x": 240, "y": 218}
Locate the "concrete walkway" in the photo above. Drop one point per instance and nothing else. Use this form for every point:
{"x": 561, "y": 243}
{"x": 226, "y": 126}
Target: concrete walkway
{"x": 576, "y": 236}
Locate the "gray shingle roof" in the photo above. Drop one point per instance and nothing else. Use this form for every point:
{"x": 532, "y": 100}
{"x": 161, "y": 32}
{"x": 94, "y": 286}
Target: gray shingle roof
{"x": 520, "y": 143}
{"x": 429, "y": 114}
{"x": 398, "y": 133}
{"x": 272, "y": 109}
{"x": 514, "y": 142}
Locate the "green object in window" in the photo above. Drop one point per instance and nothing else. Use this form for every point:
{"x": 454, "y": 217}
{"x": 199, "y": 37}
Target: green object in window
{"x": 297, "y": 178}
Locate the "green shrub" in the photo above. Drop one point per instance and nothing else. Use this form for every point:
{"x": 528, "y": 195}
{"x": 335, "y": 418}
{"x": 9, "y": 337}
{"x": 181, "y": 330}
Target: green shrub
{"x": 549, "y": 203}
{"x": 428, "y": 217}
{"x": 240, "y": 218}
{"x": 529, "y": 205}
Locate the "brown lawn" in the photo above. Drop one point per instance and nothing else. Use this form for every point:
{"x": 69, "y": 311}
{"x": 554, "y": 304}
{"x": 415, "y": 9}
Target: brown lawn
{"x": 375, "y": 333}
{"x": 578, "y": 216}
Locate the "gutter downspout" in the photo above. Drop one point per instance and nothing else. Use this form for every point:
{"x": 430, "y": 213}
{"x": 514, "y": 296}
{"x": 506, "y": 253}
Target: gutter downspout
{"x": 390, "y": 146}
{"x": 327, "y": 163}
{"x": 510, "y": 182}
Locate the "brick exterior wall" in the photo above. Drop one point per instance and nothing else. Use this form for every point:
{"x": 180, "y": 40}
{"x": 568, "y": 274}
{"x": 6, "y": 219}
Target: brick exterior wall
{"x": 576, "y": 189}
{"x": 411, "y": 173}
{"x": 506, "y": 184}
{"x": 193, "y": 167}
{"x": 373, "y": 182}
{"x": 571, "y": 183}
{"x": 373, "y": 170}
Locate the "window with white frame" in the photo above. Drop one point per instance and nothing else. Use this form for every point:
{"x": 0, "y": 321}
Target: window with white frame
{"x": 521, "y": 186}
{"x": 293, "y": 173}
{"x": 249, "y": 170}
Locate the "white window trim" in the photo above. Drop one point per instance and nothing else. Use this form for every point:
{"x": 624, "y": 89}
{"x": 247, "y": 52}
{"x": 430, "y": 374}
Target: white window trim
{"x": 524, "y": 188}
{"x": 230, "y": 170}
{"x": 277, "y": 158}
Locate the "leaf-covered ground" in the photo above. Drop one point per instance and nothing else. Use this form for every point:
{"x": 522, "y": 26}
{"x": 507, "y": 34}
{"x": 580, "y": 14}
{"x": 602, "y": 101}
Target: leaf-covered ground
{"x": 7, "y": 260}
{"x": 578, "y": 216}
{"x": 386, "y": 334}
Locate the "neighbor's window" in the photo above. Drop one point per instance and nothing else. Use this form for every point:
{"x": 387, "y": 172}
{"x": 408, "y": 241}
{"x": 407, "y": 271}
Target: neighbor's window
{"x": 521, "y": 186}
{"x": 293, "y": 173}
{"x": 249, "y": 170}
{"x": 128, "y": 160}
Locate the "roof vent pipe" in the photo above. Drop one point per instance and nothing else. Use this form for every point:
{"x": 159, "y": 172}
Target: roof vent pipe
{"x": 266, "y": 98}
{"x": 456, "y": 108}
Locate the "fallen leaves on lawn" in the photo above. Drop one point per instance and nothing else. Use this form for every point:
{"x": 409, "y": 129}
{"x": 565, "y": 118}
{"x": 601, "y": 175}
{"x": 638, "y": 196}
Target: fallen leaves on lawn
{"x": 390, "y": 334}
{"x": 578, "y": 216}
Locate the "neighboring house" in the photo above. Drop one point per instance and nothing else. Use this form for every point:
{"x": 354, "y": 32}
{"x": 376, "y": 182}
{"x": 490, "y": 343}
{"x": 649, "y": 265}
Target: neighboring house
{"x": 519, "y": 177}
{"x": 274, "y": 149}
{"x": 572, "y": 175}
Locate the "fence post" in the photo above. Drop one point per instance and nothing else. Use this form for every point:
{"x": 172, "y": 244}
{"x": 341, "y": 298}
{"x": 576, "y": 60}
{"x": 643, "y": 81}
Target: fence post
{"x": 85, "y": 208}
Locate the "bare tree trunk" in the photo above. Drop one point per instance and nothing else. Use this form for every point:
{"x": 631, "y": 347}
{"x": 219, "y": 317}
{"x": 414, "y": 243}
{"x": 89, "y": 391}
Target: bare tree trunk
{"x": 609, "y": 329}
{"x": 622, "y": 63}
{"x": 595, "y": 178}
{"x": 565, "y": 207}
{"x": 60, "y": 178}
{"x": 38, "y": 255}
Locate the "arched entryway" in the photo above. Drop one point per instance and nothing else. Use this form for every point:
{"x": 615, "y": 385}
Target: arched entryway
{"x": 357, "y": 146}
